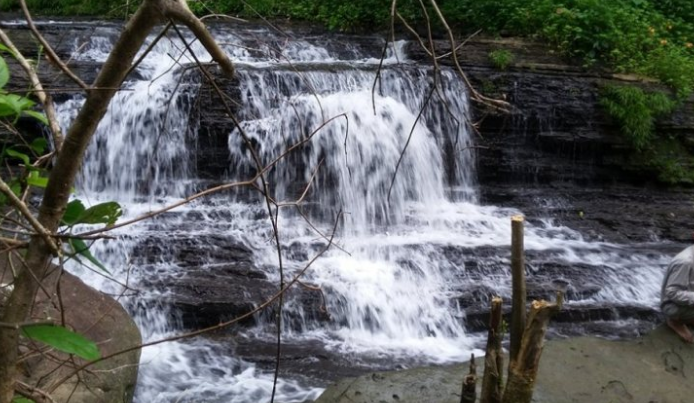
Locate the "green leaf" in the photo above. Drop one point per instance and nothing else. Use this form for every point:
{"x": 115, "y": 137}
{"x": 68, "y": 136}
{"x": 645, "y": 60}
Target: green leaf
{"x": 16, "y": 187}
{"x": 21, "y": 399}
{"x": 19, "y": 155}
{"x": 73, "y": 211}
{"x": 64, "y": 340}
{"x": 103, "y": 213}
{"x": 13, "y": 104}
{"x": 39, "y": 145}
{"x": 37, "y": 115}
{"x": 79, "y": 247}
{"x": 4, "y": 73}
{"x": 34, "y": 179}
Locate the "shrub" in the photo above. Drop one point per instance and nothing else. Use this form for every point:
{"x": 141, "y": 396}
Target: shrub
{"x": 501, "y": 58}
{"x": 636, "y": 112}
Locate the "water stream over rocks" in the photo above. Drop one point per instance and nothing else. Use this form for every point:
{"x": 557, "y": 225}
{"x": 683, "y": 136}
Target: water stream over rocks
{"x": 414, "y": 267}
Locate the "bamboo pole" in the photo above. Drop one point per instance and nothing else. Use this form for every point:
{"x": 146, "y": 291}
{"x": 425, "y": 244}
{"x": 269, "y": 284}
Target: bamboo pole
{"x": 518, "y": 284}
{"x": 469, "y": 393}
{"x": 494, "y": 358}
{"x": 523, "y": 372}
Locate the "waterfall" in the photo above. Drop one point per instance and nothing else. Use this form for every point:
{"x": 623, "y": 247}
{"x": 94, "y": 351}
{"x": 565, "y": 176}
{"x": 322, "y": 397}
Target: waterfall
{"x": 391, "y": 166}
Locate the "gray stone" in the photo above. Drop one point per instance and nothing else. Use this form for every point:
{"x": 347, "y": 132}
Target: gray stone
{"x": 99, "y": 318}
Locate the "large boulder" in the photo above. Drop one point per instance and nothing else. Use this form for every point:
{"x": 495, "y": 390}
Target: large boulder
{"x": 99, "y": 318}
{"x": 652, "y": 369}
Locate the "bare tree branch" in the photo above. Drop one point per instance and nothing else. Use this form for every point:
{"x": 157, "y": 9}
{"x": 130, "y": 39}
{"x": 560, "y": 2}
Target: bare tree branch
{"x": 35, "y": 394}
{"x": 19, "y": 205}
{"x": 43, "y": 96}
{"x": 52, "y": 56}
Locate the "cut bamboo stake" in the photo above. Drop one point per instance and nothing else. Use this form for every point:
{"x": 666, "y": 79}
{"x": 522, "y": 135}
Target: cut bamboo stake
{"x": 469, "y": 394}
{"x": 523, "y": 372}
{"x": 494, "y": 358}
{"x": 519, "y": 293}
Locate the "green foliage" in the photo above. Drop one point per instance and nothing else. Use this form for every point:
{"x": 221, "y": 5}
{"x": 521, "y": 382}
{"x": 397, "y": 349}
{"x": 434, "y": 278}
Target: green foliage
{"x": 670, "y": 159}
{"x": 103, "y": 213}
{"x": 636, "y": 111}
{"x": 13, "y": 106}
{"x": 501, "y": 58}
{"x": 75, "y": 213}
{"x": 111, "y": 9}
{"x": 4, "y": 73}
{"x": 63, "y": 340}
{"x": 79, "y": 247}
{"x": 650, "y": 37}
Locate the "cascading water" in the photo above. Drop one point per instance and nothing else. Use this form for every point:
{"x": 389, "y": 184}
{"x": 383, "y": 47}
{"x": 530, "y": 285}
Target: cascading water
{"x": 408, "y": 245}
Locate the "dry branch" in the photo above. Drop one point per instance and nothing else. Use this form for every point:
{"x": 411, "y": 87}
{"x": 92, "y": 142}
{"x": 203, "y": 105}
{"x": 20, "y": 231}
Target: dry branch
{"x": 523, "y": 372}
{"x": 22, "y": 208}
{"x": 469, "y": 393}
{"x": 494, "y": 357}
{"x": 43, "y": 96}
{"x": 35, "y": 394}
{"x": 52, "y": 56}
{"x": 496, "y": 104}
{"x": 519, "y": 292}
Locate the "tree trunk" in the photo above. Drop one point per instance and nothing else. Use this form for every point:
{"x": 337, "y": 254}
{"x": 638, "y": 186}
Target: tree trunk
{"x": 523, "y": 372}
{"x": 67, "y": 165}
{"x": 469, "y": 394}
{"x": 519, "y": 293}
{"x": 494, "y": 357}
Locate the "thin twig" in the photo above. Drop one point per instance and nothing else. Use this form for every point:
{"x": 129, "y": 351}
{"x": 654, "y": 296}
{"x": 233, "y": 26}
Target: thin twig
{"x": 33, "y": 393}
{"x": 500, "y": 105}
{"x": 409, "y": 137}
{"x": 20, "y": 325}
{"x": 48, "y": 49}
{"x": 19, "y": 205}
{"x": 43, "y": 96}
{"x": 149, "y": 49}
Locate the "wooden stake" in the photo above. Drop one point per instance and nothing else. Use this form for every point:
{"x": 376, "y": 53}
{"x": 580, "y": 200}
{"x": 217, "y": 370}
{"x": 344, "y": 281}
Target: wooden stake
{"x": 523, "y": 372}
{"x": 494, "y": 358}
{"x": 469, "y": 394}
{"x": 519, "y": 293}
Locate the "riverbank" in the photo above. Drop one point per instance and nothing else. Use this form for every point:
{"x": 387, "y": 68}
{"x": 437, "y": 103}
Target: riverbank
{"x": 655, "y": 368}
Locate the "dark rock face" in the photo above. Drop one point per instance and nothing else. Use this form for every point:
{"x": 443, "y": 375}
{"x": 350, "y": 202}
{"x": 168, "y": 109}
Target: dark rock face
{"x": 210, "y": 113}
{"x": 217, "y": 281}
{"x": 558, "y": 132}
{"x": 558, "y": 155}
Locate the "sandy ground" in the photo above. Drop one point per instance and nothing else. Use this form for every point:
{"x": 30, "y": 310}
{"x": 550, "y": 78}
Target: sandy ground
{"x": 657, "y": 368}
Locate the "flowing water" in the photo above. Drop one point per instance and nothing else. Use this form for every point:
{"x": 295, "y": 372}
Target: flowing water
{"x": 413, "y": 255}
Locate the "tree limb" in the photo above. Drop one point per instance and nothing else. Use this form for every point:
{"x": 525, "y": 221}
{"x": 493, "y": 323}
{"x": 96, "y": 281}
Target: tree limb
{"x": 19, "y": 205}
{"x": 43, "y": 96}
{"x": 52, "y": 56}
